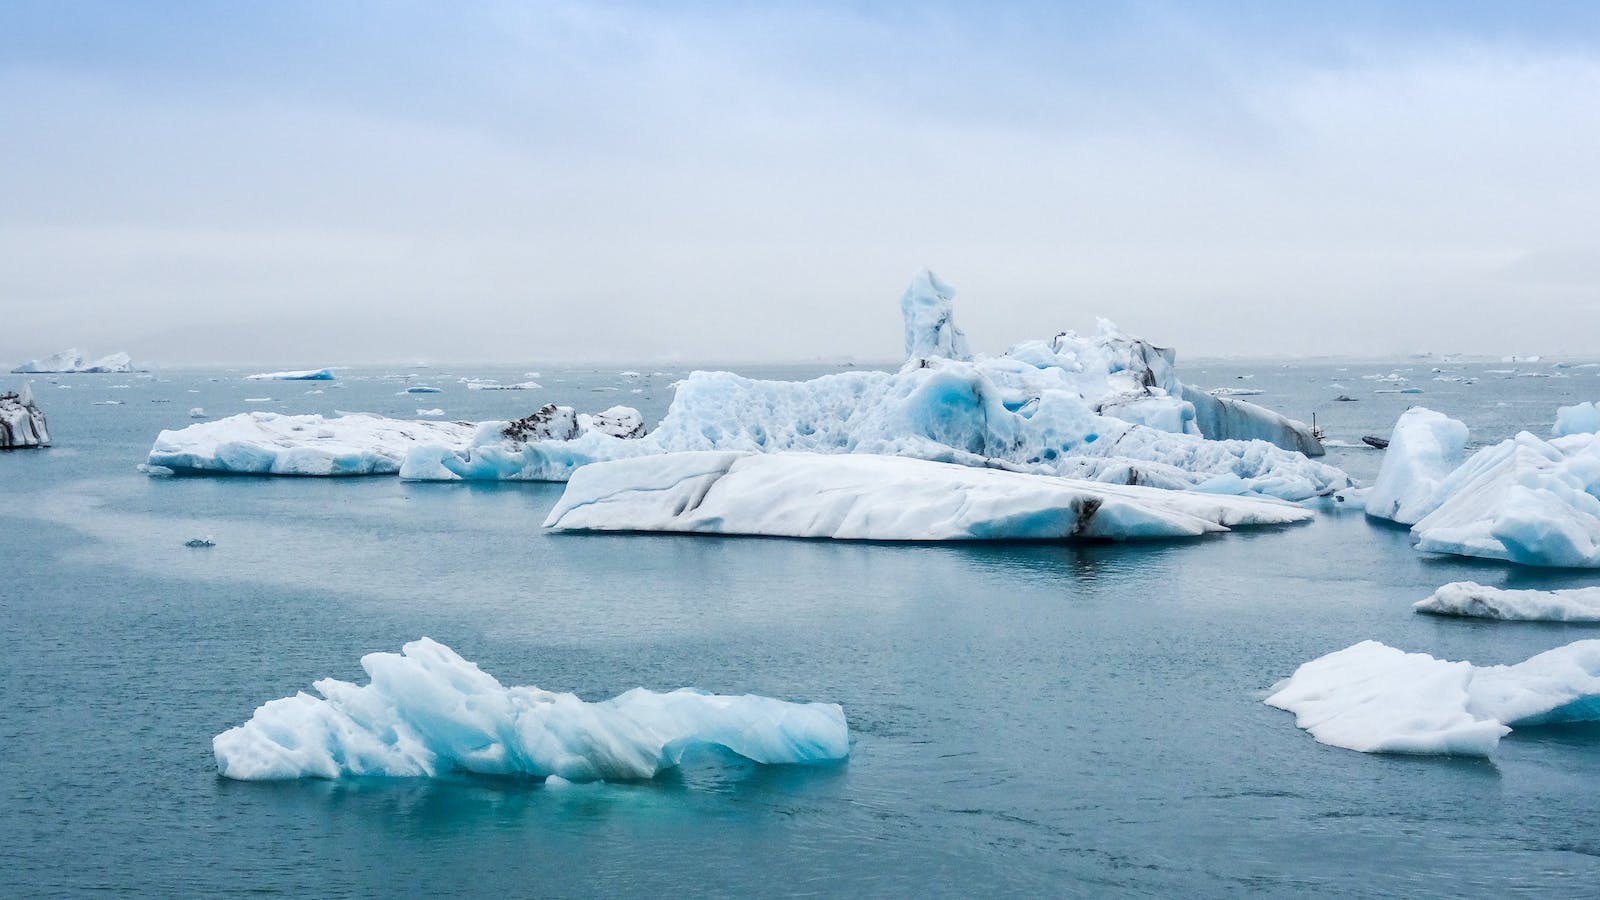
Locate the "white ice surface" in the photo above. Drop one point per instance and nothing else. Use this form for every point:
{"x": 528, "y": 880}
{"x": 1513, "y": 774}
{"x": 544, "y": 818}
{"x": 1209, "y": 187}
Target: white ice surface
{"x": 928, "y": 309}
{"x": 1582, "y": 418}
{"x": 869, "y": 497}
{"x": 1467, "y": 598}
{"x": 265, "y": 443}
{"x": 1376, "y": 699}
{"x": 1424, "y": 448}
{"x": 428, "y": 712}
{"x": 297, "y": 375}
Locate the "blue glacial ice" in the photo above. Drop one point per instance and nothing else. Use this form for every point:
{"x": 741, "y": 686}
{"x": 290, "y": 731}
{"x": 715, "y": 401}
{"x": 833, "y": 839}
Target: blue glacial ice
{"x": 884, "y": 498}
{"x": 1376, "y": 699}
{"x": 1524, "y": 500}
{"x": 427, "y": 712}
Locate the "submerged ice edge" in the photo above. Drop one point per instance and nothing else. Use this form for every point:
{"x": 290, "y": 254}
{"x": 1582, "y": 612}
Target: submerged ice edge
{"x": 1376, "y": 699}
{"x": 427, "y": 712}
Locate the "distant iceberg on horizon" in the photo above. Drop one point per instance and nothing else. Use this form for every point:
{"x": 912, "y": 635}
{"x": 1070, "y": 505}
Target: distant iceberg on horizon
{"x": 324, "y": 374}
{"x": 76, "y": 362}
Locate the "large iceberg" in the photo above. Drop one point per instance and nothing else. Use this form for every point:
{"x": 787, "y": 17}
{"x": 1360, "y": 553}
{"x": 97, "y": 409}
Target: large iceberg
{"x": 76, "y": 362}
{"x": 296, "y": 375}
{"x": 1376, "y": 699}
{"x": 883, "y": 498}
{"x": 1222, "y": 418}
{"x": 1467, "y": 598}
{"x": 264, "y": 443}
{"x": 1107, "y": 408}
{"x": 1524, "y": 500}
{"x": 427, "y": 712}
{"x": 21, "y": 421}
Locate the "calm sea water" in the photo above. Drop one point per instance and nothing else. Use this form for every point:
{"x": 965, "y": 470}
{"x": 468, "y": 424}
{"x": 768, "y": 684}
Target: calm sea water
{"x": 1041, "y": 719}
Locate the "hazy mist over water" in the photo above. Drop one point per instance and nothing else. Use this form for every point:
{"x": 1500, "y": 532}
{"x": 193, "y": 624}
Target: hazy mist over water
{"x": 345, "y": 183}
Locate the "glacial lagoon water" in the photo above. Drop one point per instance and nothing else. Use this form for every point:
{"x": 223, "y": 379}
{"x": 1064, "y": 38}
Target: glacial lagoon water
{"x": 1028, "y": 718}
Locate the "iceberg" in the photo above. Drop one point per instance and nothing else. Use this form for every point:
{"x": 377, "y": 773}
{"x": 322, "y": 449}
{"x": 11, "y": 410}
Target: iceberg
{"x": 1467, "y": 598}
{"x": 299, "y": 375}
{"x": 265, "y": 443}
{"x": 884, "y": 498}
{"x": 1425, "y": 447}
{"x": 1376, "y": 699}
{"x": 1524, "y": 500}
{"x": 1107, "y": 408}
{"x": 1582, "y": 418}
{"x": 1222, "y": 417}
{"x": 928, "y": 308}
{"x": 74, "y": 361}
{"x": 22, "y": 422}
{"x": 427, "y": 712}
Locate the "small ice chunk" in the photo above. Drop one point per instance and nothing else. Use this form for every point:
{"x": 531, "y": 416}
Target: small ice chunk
{"x": 428, "y": 712}
{"x": 1467, "y": 598}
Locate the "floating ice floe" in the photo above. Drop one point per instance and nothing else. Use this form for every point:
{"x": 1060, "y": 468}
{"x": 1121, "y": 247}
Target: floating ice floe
{"x": 299, "y": 375}
{"x": 75, "y": 362}
{"x": 197, "y": 412}
{"x": 427, "y": 712}
{"x": 1108, "y": 408}
{"x": 1583, "y": 418}
{"x": 22, "y": 423}
{"x": 274, "y": 444}
{"x": 884, "y": 498}
{"x": 1470, "y": 599}
{"x": 1524, "y": 500}
{"x": 1376, "y": 699}
{"x": 421, "y": 389}
{"x": 430, "y": 413}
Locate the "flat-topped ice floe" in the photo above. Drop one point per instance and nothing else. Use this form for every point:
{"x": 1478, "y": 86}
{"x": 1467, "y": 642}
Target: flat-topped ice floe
{"x": 75, "y": 362}
{"x": 274, "y": 444}
{"x": 427, "y": 712}
{"x": 297, "y": 375}
{"x": 1524, "y": 500}
{"x": 883, "y": 498}
{"x": 1376, "y": 699}
{"x": 1467, "y": 598}
{"x": 22, "y": 423}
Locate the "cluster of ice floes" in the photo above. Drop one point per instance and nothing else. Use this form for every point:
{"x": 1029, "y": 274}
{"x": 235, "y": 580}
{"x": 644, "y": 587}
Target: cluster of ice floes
{"x": 1376, "y": 699}
{"x": 70, "y": 362}
{"x": 296, "y": 375}
{"x": 884, "y": 498}
{"x": 21, "y": 421}
{"x": 1525, "y": 500}
{"x": 428, "y": 712}
{"x": 265, "y": 443}
{"x": 1470, "y": 599}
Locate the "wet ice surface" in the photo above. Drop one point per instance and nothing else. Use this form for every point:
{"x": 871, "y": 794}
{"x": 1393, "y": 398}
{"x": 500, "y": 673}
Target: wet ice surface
{"x": 1063, "y": 720}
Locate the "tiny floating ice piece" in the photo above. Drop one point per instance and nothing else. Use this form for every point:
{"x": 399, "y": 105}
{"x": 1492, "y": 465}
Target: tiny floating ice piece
{"x": 428, "y": 712}
{"x": 200, "y": 542}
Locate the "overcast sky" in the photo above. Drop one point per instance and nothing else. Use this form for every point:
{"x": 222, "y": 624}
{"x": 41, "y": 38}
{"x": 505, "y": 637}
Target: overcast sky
{"x": 333, "y": 182}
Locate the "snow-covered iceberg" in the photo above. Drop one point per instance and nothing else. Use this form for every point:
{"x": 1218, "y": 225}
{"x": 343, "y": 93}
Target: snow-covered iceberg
{"x": 1524, "y": 500}
{"x": 265, "y": 443}
{"x": 76, "y": 362}
{"x": 1376, "y": 699}
{"x": 297, "y": 375}
{"x": 427, "y": 712}
{"x": 1467, "y": 598}
{"x": 22, "y": 421}
{"x": 1581, "y": 418}
{"x": 883, "y": 498}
